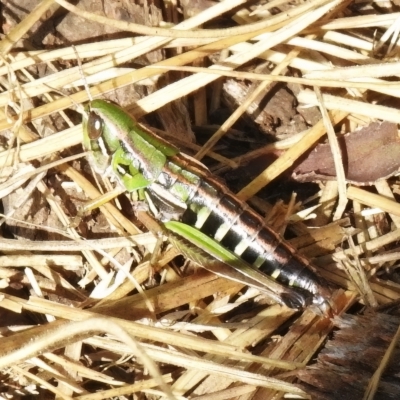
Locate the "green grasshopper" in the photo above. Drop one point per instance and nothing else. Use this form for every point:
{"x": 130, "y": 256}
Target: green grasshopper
{"x": 200, "y": 216}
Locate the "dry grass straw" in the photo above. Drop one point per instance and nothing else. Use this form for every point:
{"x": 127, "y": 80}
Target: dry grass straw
{"x": 303, "y": 37}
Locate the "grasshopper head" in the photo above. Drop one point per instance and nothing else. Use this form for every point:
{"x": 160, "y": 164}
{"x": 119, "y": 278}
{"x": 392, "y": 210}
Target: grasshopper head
{"x": 101, "y": 132}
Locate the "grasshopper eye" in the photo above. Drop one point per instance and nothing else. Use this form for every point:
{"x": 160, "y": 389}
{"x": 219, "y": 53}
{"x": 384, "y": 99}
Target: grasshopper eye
{"x": 94, "y": 126}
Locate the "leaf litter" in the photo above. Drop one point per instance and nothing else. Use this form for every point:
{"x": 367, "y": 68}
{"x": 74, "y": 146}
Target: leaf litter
{"x": 210, "y": 337}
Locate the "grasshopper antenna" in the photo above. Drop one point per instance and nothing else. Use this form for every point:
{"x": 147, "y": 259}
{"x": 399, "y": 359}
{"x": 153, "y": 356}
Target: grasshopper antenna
{"x": 78, "y": 106}
{"x": 78, "y": 59}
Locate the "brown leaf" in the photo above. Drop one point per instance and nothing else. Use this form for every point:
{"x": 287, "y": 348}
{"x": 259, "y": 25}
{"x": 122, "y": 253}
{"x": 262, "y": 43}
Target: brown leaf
{"x": 369, "y": 154}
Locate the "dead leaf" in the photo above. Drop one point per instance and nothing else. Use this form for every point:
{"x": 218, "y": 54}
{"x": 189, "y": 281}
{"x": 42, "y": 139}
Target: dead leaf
{"x": 369, "y": 154}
